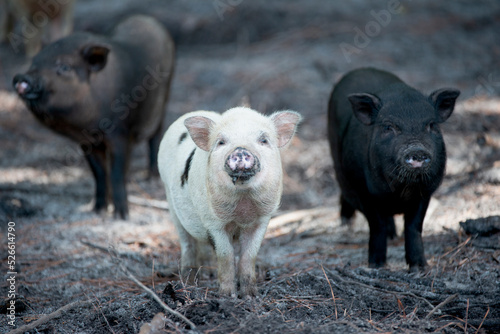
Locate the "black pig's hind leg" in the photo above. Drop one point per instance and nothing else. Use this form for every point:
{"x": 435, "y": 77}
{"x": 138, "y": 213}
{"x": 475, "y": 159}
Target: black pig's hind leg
{"x": 346, "y": 211}
{"x": 154, "y": 145}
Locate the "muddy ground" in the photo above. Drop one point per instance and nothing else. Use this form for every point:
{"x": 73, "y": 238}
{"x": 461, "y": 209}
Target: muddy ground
{"x": 312, "y": 272}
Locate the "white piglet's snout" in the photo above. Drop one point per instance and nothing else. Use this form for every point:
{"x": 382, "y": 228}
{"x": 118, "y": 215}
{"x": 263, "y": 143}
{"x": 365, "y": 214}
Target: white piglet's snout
{"x": 241, "y": 165}
{"x": 223, "y": 180}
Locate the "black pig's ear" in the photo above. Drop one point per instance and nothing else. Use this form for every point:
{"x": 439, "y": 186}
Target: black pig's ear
{"x": 95, "y": 56}
{"x": 443, "y": 101}
{"x": 365, "y": 107}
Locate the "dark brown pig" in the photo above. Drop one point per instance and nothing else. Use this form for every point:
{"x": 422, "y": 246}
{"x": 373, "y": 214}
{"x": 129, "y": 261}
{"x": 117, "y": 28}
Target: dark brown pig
{"x": 389, "y": 154}
{"x": 106, "y": 93}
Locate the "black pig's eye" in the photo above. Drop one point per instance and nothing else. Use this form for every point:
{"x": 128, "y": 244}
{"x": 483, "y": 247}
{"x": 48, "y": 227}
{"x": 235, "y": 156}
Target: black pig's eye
{"x": 389, "y": 128}
{"x": 432, "y": 127}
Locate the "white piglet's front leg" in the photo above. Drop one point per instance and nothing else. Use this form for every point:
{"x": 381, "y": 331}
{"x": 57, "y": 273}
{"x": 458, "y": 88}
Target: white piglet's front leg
{"x": 222, "y": 243}
{"x": 250, "y": 241}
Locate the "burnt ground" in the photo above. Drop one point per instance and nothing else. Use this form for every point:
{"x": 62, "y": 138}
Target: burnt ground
{"x": 313, "y": 275}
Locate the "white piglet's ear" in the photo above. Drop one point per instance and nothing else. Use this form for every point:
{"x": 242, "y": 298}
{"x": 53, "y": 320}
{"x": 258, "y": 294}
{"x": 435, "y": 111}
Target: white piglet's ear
{"x": 199, "y": 129}
{"x": 286, "y": 124}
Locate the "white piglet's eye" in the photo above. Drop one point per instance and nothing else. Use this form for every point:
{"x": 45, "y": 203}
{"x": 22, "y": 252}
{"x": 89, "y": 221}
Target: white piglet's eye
{"x": 221, "y": 142}
{"x": 263, "y": 140}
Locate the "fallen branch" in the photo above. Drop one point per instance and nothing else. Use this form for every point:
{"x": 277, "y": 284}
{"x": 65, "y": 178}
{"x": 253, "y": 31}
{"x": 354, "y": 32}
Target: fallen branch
{"x": 116, "y": 255}
{"x": 296, "y": 216}
{"x": 440, "y": 305}
{"x": 54, "y": 315}
{"x": 155, "y": 296}
{"x": 395, "y": 293}
{"x": 92, "y": 245}
{"x": 149, "y": 203}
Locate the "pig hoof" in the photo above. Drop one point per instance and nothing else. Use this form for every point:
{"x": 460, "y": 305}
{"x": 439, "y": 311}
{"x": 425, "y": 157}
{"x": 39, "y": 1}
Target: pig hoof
{"x": 100, "y": 207}
{"x": 345, "y": 221}
{"x": 121, "y": 213}
{"x": 248, "y": 291}
{"x": 224, "y": 293}
{"x": 153, "y": 173}
{"x": 377, "y": 265}
{"x": 417, "y": 268}
{"x": 227, "y": 291}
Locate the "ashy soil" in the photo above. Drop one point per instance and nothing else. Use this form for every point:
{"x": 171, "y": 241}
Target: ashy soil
{"x": 312, "y": 272}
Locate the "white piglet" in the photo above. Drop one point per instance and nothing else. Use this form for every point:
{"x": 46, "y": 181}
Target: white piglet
{"x": 223, "y": 179}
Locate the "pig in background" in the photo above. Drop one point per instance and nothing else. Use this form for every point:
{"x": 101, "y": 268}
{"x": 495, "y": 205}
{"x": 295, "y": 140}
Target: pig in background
{"x": 223, "y": 180}
{"x": 106, "y": 93}
{"x": 389, "y": 155}
{"x": 34, "y": 23}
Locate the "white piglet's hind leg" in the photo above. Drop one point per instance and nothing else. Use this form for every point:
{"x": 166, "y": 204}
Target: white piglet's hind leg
{"x": 189, "y": 263}
{"x": 250, "y": 241}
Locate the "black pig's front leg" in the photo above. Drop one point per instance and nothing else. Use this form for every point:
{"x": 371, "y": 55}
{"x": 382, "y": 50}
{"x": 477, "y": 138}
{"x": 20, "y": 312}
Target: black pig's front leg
{"x": 119, "y": 153}
{"x": 377, "y": 247}
{"x": 98, "y": 164}
{"x": 414, "y": 247}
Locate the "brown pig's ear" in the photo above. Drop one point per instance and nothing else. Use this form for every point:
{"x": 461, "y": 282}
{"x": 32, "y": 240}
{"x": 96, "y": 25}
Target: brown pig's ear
{"x": 365, "y": 107}
{"x": 95, "y": 56}
{"x": 443, "y": 101}
{"x": 286, "y": 124}
{"x": 199, "y": 129}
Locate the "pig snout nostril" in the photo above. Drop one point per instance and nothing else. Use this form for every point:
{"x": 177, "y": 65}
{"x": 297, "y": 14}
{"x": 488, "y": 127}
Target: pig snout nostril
{"x": 22, "y": 87}
{"x": 241, "y": 160}
{"x": 417, "y": 159}
{"x": 27, "y": 86}
{"x": 242, "y": 165}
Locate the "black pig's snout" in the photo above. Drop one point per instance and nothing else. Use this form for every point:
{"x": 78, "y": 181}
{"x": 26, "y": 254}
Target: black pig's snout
{"x": 27, "y": 86}
{"x": 417, "y": 158}
{"x": 242, "y": 165}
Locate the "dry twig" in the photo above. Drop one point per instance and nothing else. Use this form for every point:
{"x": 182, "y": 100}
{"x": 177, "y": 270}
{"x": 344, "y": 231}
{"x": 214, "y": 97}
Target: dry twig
{"x": 395, "y": 293}
{"x": 440, "y": 305}
{"x": 153, "y": 294}
{"x": 331, "y": 290}
{"x": 54, "y": 315}
{"x": 482, "y": 321}
{"x": 148, "y": 203}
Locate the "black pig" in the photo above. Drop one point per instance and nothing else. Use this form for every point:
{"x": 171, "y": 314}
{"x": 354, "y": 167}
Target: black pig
{"x": 106, "y": 93}
{"x": 389, "y": 155}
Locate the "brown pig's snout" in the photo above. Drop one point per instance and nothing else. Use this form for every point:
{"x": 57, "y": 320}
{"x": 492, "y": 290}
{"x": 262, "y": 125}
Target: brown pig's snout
{"x": 27, "y": 86}
{"x": 241, "y": 165}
